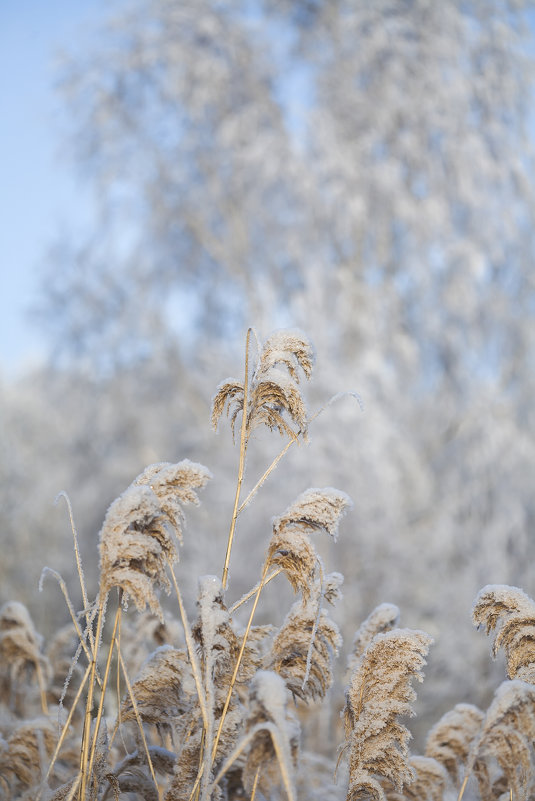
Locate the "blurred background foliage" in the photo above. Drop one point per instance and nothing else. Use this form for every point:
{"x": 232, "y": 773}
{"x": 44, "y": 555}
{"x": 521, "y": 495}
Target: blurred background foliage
{"x": 362, "y": 171}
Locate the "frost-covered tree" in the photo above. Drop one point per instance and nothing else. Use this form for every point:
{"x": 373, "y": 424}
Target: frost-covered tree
{"x": 306, "y": 161}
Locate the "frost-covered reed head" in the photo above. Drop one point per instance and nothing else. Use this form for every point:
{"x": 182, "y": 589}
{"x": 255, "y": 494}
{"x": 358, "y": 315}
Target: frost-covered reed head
{"x": 274, "y": 396}
{"x": 139, "y": 533}
{"x": 304, "y": 649}
{"x": 24, "y": 757}
{"x": 450, "y": 740}
{"x": 20, "y": 649}
{"x": 511, "y": 614}
{"x": 506, "y": 738}
{"x": 379, "y": 693}
{"x": 383, "y": 618}
{"x": 291, "y": 547}
{"x": 275, "y": 732}
{"x": 164, "y": 688}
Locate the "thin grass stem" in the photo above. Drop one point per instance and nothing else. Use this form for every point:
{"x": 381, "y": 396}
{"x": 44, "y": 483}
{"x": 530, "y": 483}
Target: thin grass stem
{"x": 78, "y": 558}
{"x": 105, "y": 683}
{"x": 66, "y": 725}
{"x": 255, "y": 784}
{"x": 231, "y": 687}
{"x": 266, "y": 473}
{"x": 197, "y": 787}
{"x": 74, "y": 788}
{"x": 337, "y": 397}
{"x": 314, "y": 628}
{"x": 463, "y": 787}
{"x": 251, "y": 592}
{"x": 63, "y": 587}
{"x": 42, "y": 687}
{"x": 238, "y": 662}
{"x": 138, "y": 719}
{"x": 281, "y": 758}
{"x": 191, "y": 651}
{"x": 279, "y": 752}
{"x": 242, "y": 745}
{"x": 84, "y": 756}
{"x": 241, "y": 468}
{"x": 118, "y": 683}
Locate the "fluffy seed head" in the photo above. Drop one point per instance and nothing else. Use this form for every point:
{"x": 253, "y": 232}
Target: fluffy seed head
{"x": 137, "y": 536}
{"x": 304, "y": 649}
{"x": 383, "y": 618}
{"x": 379, "y": 692}
{"x": 174, "y": 485}
{"x": 164, "y": 689}
{"x": 20, "y": 648}
{"x": 430, "y": 781}
{"x": 315, "y": 509}
{"x": 510, "y": 612}
{"x": 292, "y": 550}
{"x": 507, "y": 737}
{"x": 274, "y": 396}
{"x": 289, "y": 348}
{"x": 449, "y": 741}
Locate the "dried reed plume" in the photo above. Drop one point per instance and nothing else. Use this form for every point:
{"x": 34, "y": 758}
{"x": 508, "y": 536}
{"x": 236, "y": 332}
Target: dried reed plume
{"x": 379, "y": 692}
{"x": 20, "y": 656}
{"x": 451, "y": 738}
{"x": 136, "y": 539}
{"x": 271, "y": 392}
{"x": 274, "y": 387}
{"x": 331, "y": 587}
{"x": 383, "y": 618}
{"x": 140, "y": 635}
{"x": 272, "y": 755}
{"x": 25, "y": 755}
{"x": 510, "y": 612}
{"x": 308, "y": 641}
{"x": 429, "y": 784}
{"x": 315, "y": 510}
{"x": 507, "y": 736}
{"x": 291, "y": 548}
{"x": 304, "y": 650}
{"x": 164, "y": 690}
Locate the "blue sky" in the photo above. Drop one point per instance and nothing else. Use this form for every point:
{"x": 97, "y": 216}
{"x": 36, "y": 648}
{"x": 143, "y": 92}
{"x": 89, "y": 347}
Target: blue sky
{"x": 39, "y": 192}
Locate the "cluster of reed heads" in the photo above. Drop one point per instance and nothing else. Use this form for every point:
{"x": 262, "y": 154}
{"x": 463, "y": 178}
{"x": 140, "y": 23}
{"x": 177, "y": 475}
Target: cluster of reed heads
{"x": 152, "y": 706}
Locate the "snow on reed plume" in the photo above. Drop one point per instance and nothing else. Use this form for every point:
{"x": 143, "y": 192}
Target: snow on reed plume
{"x": 449, "y": 741}
{"x": 506, "y": 738}
{"x": 21, "y": 659}
{"x": 383, "y": 618}
{"x": 136, "y": 539}
{"x": 305, "y": 646}
{"x": 430, "y": 782}
{"x": 304, "y": 650}
{"x": 274, "y": 387}
{"x": 164, "y": 689}
{"x": 25, "y": 755}
{"x": 379, "y": 693}
{"x": 291, "y": 547}
{"x": 274, "y": 730}
{"x": 511, "y": 613}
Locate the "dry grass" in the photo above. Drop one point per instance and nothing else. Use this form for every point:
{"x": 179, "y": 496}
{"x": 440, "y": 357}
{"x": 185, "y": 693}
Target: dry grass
{"x": 147, "y": 704}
